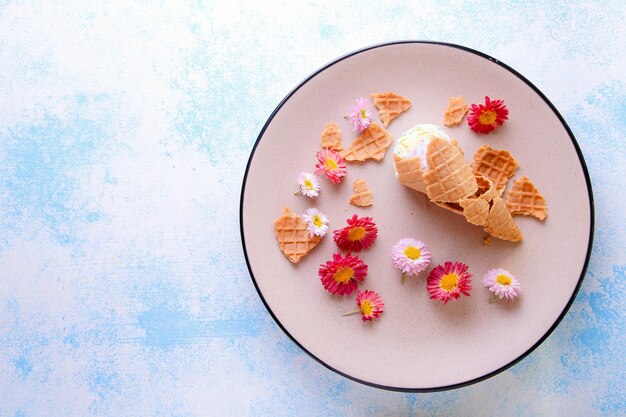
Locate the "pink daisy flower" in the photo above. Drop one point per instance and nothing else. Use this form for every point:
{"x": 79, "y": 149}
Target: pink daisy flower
{"x": 330, "y": 164}
{"x": 502, "y": 284}
{"x": 485, "y": 118}
{"x": 370, "y": 305}
{"x": 341, "y": 274}
{"x": 449, "y": 281}
{"x": 411, "y": 256}
{"x": 359, "y": 234}
{"x": 361, "y": 115}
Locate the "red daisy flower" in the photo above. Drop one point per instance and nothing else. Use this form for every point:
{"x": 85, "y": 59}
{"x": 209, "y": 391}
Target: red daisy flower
{"x": 449, "y": 281}
{"x": 330, "y": 164}
{"x": 359, "y": 234}
{"x": 340, "y": 276}
{"x": 370, "y": 304}
{"x": 485, "y": 118}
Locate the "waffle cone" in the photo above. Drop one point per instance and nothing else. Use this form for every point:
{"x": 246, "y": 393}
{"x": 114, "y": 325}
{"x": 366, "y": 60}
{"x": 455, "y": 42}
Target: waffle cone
{"x": 475, "y": 210}
{"x": 410, "y": 172}
{"x": 293, "y": 237}
{"x": 332, "y": 137}
{"x": 449, "y": 177}
{"x": 390, "y": 105}
{"x": 452, "y": 207}
{"x": 496, "y": 164}
{"x": 362, "y": 196}
{"x": 486, "y": 188}
{"x": 500, "y": 224}
{"x": 456, "y": 110}
{"x": 524, "y": 198}
{"x": 371, "y": 144}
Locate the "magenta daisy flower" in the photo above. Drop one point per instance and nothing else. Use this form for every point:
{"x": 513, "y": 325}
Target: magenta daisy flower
{"x": 484, "y": 118}
{"x": 359, "y": 234}
{"x": 449, "y": 281}
{"x": 502, "y": 284}
{"x": 341, "y": 274}
{"x": 370, "y": 305}
{"x": 411, "y": 256}
{"x": 361, "y": 115}
{"x": 330, "y": 164}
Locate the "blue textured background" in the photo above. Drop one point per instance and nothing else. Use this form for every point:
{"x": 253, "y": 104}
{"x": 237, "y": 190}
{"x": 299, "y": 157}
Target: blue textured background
{"x": 124, "y": 133}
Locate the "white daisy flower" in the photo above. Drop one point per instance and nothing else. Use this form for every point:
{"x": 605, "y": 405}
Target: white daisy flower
{"x": 317, "y": 222}
{"x": 502, "y": 284}
{"x": 309, "y": 185}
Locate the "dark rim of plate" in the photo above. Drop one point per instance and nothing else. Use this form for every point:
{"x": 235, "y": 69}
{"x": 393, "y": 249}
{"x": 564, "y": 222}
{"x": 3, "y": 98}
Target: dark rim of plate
{"x": 582, "y": 163}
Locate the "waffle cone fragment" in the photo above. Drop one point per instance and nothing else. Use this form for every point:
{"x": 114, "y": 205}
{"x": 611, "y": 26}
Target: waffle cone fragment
{"x": 456, "y": 110}
{"x": 486, "y": 188}
{"x": 293, "y": 236}
{"x": 371, "y": 144}
{"x": 449, "y": 177}
{"x": 475, "y": 210}
{"x": 497, "y": 165}
{"x": 410, "y": 172}
{"x": 362, "y": 196}
{"x": 453, "y": 207}
{"x": 500, "y": 223}
{"x": 332, "y": 137}
{"x": 524, "y": 198}
{"x": 390, "y": 105}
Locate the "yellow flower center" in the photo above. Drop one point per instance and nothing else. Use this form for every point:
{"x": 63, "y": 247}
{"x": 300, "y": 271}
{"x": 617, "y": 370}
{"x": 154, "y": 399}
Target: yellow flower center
{"x": 366, "y": 307}
{"x": 363, "y": 114}
{"x": 448, "y": 282}
{"x": 412, "y": 252}
{"x": 343, "y": 275}
{"x": 317, "y": 220}
{"x": 503, "y": 280}
{"x": 331, "y": 164}
{"x": 308, "y": 184}
{"x": 488, "y": 117}
{"x": 356, "y": 233}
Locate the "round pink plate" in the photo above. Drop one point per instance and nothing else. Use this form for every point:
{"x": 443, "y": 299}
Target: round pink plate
{"x": 418, "y": 344}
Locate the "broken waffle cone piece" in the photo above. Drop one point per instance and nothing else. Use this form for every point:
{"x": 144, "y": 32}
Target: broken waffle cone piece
{"x": 524, "y": 198}
{"x": 332, "y": 137}
{"x": 486, "y": 188}
{"x": 410, "y": 172}
{"x": 456, "y": 110}
{"x": 362, "y": 196}
{"x": 453, "y": 207}
{"x": 390, "y": 105}
{"x": 500, "y": 224}
{"x": 449, "y": 177}
{"x": 475, "y": 210}
{"x": 497, "y": 165}
{"x": 371, "y": 144}
{"x": 293, "y": 236}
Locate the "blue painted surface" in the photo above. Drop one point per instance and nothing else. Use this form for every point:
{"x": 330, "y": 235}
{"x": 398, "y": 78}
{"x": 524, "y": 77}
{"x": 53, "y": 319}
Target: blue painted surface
{"x": 124, "y": 133}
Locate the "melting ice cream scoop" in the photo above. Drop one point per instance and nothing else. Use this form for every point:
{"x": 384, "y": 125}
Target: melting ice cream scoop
{"x": 414, "y": 142}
